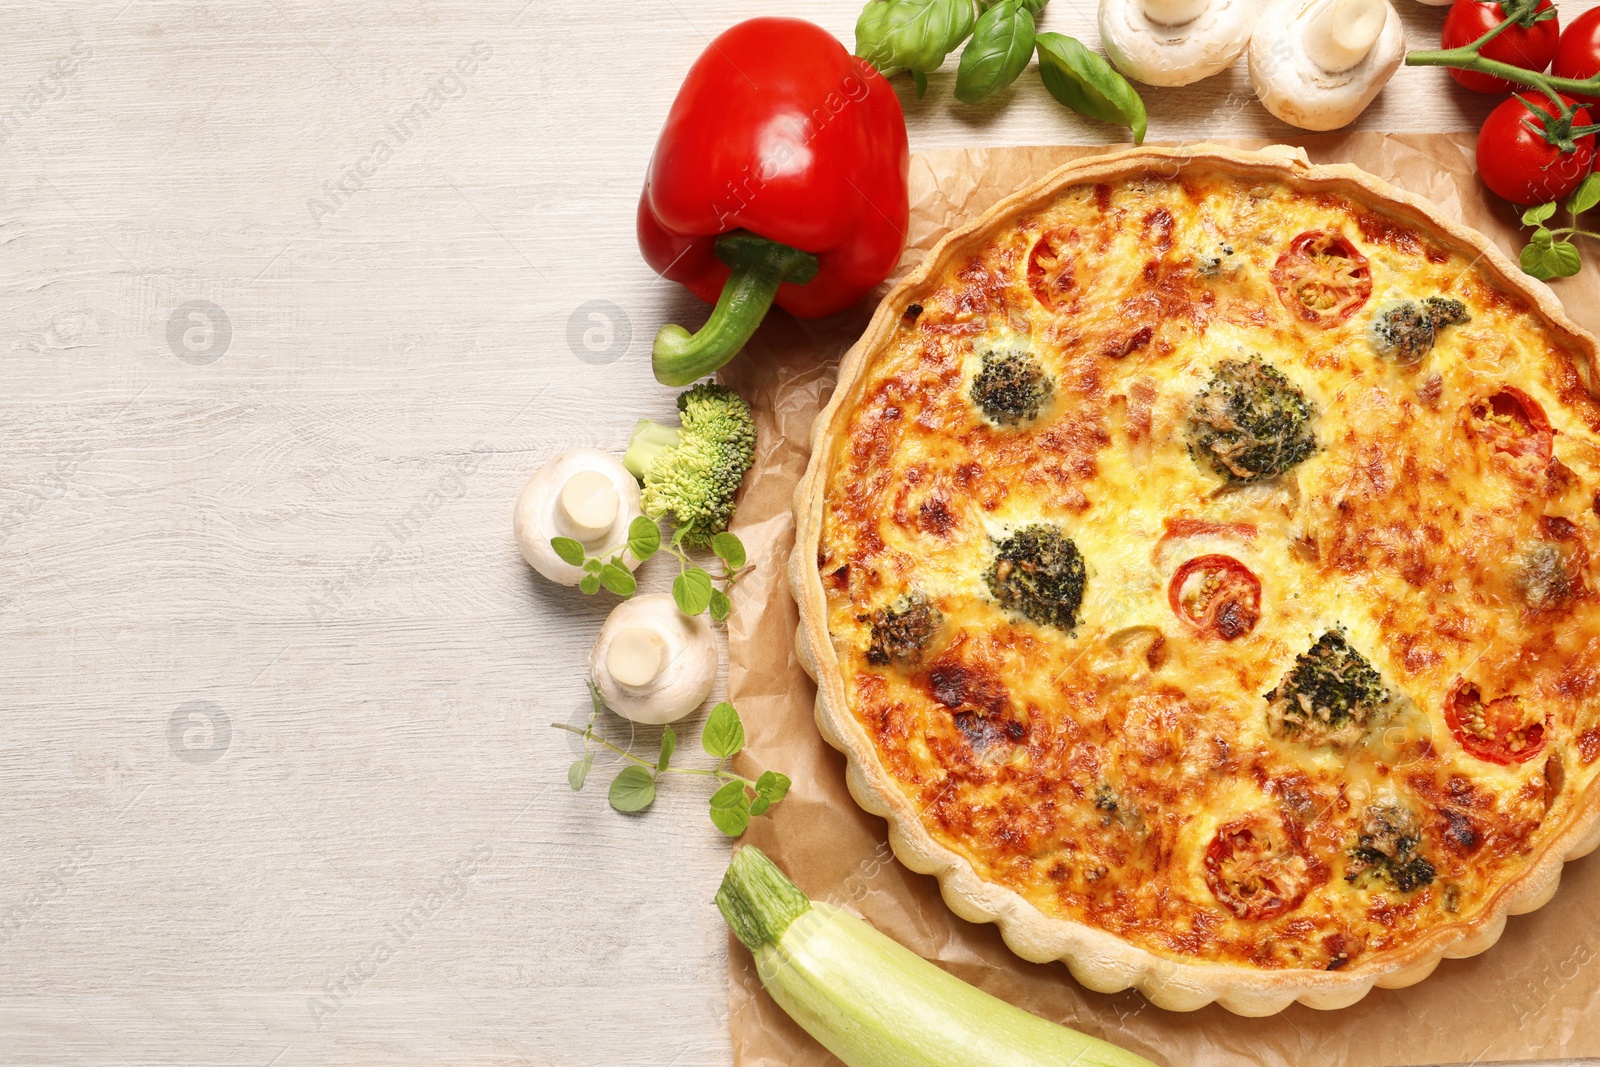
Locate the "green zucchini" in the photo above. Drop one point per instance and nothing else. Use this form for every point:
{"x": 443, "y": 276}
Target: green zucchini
{"x": 873, "y": 1003}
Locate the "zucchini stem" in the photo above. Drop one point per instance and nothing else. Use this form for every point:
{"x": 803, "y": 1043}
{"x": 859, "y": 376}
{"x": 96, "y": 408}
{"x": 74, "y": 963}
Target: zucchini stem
{"x": 757, "y": 900}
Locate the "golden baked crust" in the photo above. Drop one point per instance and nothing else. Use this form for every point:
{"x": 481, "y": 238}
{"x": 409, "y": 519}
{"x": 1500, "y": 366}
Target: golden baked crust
{"x": 1138, "y": 784}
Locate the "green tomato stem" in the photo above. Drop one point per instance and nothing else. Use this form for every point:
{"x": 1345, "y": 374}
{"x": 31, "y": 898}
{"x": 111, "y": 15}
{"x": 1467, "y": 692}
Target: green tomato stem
{"x": 1468, "y": 58}
{"x": 759, "y": 267}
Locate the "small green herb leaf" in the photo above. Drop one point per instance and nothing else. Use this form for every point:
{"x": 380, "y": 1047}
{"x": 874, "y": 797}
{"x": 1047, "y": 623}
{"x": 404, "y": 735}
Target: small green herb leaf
{"x": 759, "y": 805}
{"x": 915, "y": 35}
{"x": 1537, "y": 214}
{"x": 1554, "y": 259}
{"x": 644, "y": 538}
{"x": 773, "y": 786}
{"x": 1001, "y": 46}
{"x": 617, "y": 578}
{"x": 731, "y": 795}
{"x": 729, "y": 549}
{"x": 1583, "y": 198}
{"x": 720, "y": 605}
{"x": 633, "y": 789}
{"x": 592, "y": 566}
{"x": 669, "y": 745}
{"x": 920, "y": 81}
{"x": 590, "y": 584}
{"x": 570, "y": 551}
{"x": 691, "y": 590}
{"x": 578, "y": 773}
{"x": 1087, "y": 84}
{"x": 731, "y": 821}
{"x": 724, "y": 733}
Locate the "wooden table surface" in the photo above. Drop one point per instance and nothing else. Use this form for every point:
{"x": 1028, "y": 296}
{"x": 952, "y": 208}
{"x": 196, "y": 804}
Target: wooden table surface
{"x": 275, "y": 771}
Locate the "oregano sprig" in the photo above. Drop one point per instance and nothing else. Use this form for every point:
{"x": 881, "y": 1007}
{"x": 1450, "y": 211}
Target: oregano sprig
{"x": 1550, "y": 252}
{"x": 695, "y": 590}
{"x": 734, "y": 803}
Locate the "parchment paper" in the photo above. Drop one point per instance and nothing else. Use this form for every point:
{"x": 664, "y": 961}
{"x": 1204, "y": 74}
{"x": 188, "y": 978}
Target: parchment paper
{"x": 1535, "y": 995}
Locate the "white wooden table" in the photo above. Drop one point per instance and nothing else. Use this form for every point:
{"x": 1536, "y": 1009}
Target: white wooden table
{"x": 275, "y": 772}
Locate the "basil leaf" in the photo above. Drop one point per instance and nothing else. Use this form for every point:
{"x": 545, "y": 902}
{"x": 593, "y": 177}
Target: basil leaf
{"x": 617, "y": 578}
{"x": 729, "y": 549}
{"x": 731, "y": 795}
{"x": 721, "y": 606}
{"x": 1586, "y": 196}
{"x": 731, "y": 821}
{"x": 644, "y": 538}
{"x": 724, "y": 733}
{"x": 669, "y": 745}
{"x": 691, "y": 590}
{"x": 773, "y": 786}
{"x": 916, "y": 35}
{"x": 1035, "y": 7}
{"x": 1535, "y": 215}
{"x": 570, "y": 552}
{"x": 590, "y": 584}
{"x": 1086, "y": 83}
{"x": 632, "y": 790}
{"x": 920, "y": 80}
{"x": 578, "y": 773}
{"x": 999, "y": 51}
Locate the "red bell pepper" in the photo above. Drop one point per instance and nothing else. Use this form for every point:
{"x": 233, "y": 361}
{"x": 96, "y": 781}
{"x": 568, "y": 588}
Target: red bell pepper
{"x": 780, "y": 176}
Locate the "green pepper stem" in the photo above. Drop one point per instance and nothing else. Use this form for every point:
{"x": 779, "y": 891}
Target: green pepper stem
{"x": 759, "y": 267}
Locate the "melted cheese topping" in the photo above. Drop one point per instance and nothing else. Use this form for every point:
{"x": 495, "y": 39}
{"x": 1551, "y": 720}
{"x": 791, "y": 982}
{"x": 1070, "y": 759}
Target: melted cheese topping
{"x": 1124, "y": 774}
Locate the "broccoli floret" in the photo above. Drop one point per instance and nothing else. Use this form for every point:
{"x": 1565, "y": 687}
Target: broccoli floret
{"x": 1330, "y": 696}
{"x": 1010, "y": 387}
{"x": 1039, "y": 572}
{"x": 694, "y": 471}
{"x": 1404, "y": 330}
{"x": 903, "y": 629}
{"x": 1250, "y": 422}
{"x": 1387, "y": 843}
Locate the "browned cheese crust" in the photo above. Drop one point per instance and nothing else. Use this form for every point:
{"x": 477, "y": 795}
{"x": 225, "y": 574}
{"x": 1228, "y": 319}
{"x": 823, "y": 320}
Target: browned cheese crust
{"x": 1146, "y": 767}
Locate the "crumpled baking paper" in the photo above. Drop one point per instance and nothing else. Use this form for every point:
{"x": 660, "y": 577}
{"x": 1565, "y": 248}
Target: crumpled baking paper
{"x": 1535, "y": 995}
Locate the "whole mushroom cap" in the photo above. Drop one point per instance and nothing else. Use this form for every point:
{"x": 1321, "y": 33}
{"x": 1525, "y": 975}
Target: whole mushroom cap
{"x": 652, "y": 663}
{"x": 565, "y": 498}
{"x": 1300, "y": 91}
{"x": 1150, "y": 50}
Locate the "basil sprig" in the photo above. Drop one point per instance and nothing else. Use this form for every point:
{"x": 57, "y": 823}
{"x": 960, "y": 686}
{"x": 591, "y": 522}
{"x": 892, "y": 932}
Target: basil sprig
{"x": 1087, "y": 84}
{"x": 914, "y": 35}
{"x": 1001, "y": 45}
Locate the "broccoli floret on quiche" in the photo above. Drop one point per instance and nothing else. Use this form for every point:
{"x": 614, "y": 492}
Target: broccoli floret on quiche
{"x": 1387, "y": 846}
{"x": 1250, "y": 422}
{"x": 903, "y": 630}
{"x": 1039, "y": 573}
{"x": 1329, "y": 697}
{"x": 1405, "y": 330}
{"x": 1010, "y": 388}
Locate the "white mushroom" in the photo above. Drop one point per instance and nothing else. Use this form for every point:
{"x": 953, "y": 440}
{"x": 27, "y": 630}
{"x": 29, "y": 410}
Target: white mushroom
{"x": 1317, "y": 64}
{"x": 583, "y": 494}
{"x": 1175, "y": 42}
{"x": 652, "y": 663}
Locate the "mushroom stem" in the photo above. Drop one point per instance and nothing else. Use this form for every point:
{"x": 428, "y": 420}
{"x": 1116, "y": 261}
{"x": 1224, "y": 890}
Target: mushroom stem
{"x": 587, "y": 506}
{"x": 1174, "y": 12}
{"x": 636, "y": 656}
{"x": 1340, "y": 33}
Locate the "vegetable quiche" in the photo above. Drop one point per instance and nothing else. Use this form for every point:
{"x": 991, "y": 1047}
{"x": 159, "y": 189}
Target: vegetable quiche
{"x": 1194, "y": 562}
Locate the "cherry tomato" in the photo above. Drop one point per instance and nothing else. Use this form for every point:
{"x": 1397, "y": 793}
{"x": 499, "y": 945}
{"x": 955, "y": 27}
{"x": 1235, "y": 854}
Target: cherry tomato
{"x": 1497, "y": 732}
{"x": 1255, "y": 869}
{"x": 1519, "y": 164}
{"x": 1578, "y": 52}
{"x": 1050, "y": 268}
{"x": 1530, "y": 47}
{"x": 1322, "y": 278}
{"x": 1513, "y": 425}
{"x": 1216, "y": 594}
